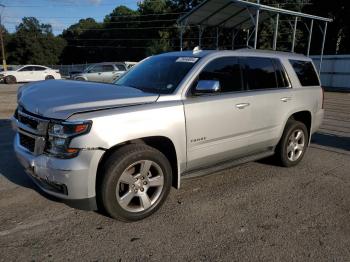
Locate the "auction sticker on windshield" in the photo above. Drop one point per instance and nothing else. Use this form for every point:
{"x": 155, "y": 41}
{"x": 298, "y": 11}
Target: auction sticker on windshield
{"x": 187, "y": 59}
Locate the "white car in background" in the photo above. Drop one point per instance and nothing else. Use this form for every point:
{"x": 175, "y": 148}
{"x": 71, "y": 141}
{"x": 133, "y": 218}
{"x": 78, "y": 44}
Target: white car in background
{"x": 29, "y": 73}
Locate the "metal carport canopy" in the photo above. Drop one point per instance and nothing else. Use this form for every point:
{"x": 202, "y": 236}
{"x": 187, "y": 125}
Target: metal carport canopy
{"x": 241, "y": 15}
{"x": 235, "y": 14}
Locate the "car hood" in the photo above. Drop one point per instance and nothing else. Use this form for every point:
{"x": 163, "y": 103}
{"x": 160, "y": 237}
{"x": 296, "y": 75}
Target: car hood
{"x": 59, "y": 99}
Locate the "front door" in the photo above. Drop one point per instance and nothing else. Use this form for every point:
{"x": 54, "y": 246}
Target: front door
{"x": 108, "y": 73}
{"x": 25, "y": 74}
{"x": 217, "y": 125}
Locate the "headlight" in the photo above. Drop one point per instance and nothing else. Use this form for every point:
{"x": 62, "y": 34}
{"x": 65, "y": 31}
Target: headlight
{"x": 60, "y": 135}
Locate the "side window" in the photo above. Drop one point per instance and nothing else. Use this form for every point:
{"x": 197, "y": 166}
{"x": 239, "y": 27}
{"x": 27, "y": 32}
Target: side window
{"x": 259, "y": 73}
{"x": 281, "y": 75}
{"x": 26, "y": 69}
{"x": 96, "y": 69}
{"x": 227, "y": 71}
{"x": 39, "y": 68}
{"x": 108, "y": 68}
{"x": 305, "y": 72}
{"x": 120, "y": 67}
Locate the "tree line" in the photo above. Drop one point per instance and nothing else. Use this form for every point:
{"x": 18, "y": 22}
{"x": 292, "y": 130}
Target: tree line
{"x": 130, "y": 35}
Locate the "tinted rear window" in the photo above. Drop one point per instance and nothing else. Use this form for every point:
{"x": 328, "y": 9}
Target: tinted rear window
{"x": 260, "y": 73}
{"x": 305, "y": 72}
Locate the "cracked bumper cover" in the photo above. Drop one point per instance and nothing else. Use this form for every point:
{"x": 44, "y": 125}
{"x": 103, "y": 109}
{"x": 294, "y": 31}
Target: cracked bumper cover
{"x": 70, "y": 180}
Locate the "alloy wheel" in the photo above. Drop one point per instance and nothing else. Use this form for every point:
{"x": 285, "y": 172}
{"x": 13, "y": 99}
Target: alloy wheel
{"x": 295, "y": 145}
{"x": 140, "y": 186}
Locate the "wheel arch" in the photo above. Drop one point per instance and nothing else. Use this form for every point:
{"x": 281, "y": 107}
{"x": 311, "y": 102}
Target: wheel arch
{"x": 81, "y": 78}
{"x": 161, "y": 143}
{"x": 303, "y": 116}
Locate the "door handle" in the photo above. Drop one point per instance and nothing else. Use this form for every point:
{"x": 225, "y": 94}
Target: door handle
{"x": 242, "y": 105}
{"x": 286, "y": 99}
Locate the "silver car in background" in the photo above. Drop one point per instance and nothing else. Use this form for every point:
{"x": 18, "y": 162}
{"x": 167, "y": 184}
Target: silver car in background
{"x": 102, "y": 72}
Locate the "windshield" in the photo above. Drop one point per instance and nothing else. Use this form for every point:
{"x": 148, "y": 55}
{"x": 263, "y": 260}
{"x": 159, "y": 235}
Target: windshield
{"x": 158, "y": 74}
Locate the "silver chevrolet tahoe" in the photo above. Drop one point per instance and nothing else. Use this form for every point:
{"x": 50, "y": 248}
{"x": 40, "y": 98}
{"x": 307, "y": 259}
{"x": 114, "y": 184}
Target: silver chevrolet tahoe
{"x": 121, "y": 147}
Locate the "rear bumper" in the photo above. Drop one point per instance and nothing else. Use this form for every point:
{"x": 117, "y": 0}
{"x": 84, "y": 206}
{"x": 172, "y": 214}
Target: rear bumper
{"x": 70, "y": 180}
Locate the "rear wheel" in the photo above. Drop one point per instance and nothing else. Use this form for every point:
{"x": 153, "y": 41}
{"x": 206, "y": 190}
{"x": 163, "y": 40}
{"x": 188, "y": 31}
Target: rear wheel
{"x": 291, "y": 149}
{"x": 80, "y": 79}
{"x": 10, "y": 80}
{"x": 48, "y": 77}
{"x": 136, "y": 181}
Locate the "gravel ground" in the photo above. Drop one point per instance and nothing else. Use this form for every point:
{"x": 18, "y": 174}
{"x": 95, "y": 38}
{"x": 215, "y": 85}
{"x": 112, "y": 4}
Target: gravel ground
{"x": 256, "y": 211}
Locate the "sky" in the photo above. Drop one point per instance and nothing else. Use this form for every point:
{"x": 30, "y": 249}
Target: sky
{"x": 59, "y": 13}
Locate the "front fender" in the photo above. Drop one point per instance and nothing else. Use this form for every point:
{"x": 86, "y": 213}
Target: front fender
{"x": 116, "y": 126}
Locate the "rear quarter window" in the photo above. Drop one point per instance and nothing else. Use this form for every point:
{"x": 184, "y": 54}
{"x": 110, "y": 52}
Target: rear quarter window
{"x": 281, "y": 74}
{"x": 305, "y": 72}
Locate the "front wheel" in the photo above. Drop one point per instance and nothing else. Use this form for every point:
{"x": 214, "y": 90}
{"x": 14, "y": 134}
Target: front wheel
{"x": 136, "y": 181}
{"x": 292, "y": 147}
{"x": 10, "y": 80}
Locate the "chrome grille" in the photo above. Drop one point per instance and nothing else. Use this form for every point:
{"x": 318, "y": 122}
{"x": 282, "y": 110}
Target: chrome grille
{"x": 27, "y": 142}
{"x": 28, "y": 121}
{"x": 32, "y": 131}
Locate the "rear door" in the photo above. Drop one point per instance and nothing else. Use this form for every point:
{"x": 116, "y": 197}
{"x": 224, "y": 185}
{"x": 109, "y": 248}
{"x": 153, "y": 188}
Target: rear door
{"x": 217, "y": 124}
{"x": 271, "y": 99}
{"x": 95, "y": 74}
{"x": 39, "y": 73}
{"x": 108, "y": 73}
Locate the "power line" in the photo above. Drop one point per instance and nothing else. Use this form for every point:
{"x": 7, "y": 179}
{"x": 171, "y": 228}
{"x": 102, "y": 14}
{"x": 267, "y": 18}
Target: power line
{"x": 120, "y": 39}
{"x": 127, "y": 28}
{"x": 117, "y": 16}
{"x": 116, "y": 47}
{"x": 73, "y": 5}
{"x": 68, "y": 5}
{"x": 117, "y": 22}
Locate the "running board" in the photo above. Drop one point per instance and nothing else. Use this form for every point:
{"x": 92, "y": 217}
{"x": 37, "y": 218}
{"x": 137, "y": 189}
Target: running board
{"x": 226, "y": 165}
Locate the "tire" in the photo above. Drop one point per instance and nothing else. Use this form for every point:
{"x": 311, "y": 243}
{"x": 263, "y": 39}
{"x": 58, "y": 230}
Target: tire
{"x": 128, "y": 194}
{"x": 49, "y": 77}
{"x": 80, "y": 79}
{"x": 293, "y": 144}
{"x": 10, "y": 80}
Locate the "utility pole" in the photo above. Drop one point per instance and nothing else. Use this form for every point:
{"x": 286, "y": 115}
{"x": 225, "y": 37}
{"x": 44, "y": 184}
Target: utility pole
{"x": 2, "y": 41}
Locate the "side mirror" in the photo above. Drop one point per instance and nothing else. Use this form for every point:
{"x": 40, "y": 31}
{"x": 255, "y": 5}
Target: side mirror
{"x": 207, "y": 87}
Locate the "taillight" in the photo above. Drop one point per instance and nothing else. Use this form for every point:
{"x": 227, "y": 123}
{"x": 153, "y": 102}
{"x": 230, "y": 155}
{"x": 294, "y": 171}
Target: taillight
{"x": 322, "y": 97}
